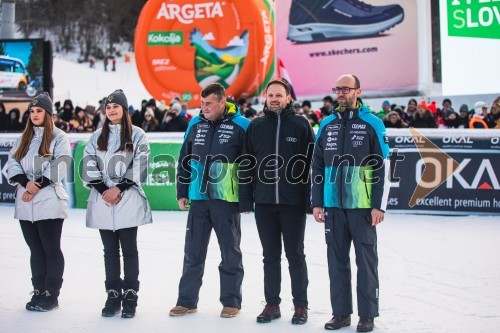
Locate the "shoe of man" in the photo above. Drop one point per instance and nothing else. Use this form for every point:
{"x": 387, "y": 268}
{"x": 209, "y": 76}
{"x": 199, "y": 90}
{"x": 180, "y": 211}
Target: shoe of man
{"x": 299, "y": 316}
{"x": 312, "y": 21}
{"x": 270, "y": 312}
{"x": 365, "y": 325}
{"x": 229, "y": 312}
{"x": 178, "y": 311}
{"x": 337, "y": 322}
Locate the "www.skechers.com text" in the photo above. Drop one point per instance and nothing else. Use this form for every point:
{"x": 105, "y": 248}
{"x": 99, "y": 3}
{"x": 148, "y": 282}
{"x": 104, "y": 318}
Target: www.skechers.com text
{"x": 345, "y": 51}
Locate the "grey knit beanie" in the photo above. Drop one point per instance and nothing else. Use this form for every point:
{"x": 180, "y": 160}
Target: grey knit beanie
{"x": 117, "y": 97}
{"x": 42, "y": 101}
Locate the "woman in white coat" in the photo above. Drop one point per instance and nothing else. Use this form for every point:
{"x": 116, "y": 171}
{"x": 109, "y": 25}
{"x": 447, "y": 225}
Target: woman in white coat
{"x": 115, "y": 165}
{"x": 37, "y": 163}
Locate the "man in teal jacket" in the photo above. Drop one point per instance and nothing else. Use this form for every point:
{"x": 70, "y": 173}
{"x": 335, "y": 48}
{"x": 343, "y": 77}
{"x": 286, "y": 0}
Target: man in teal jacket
{"x": 207, "y": 175}
{"x": 350, "y": 188}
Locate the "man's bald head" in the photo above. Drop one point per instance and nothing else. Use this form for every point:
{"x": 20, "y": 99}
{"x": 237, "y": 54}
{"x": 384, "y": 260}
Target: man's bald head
{"x": 352, "y": 78}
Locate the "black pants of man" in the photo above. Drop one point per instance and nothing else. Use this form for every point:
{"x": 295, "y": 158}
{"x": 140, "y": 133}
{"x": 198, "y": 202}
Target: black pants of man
{"x": 273, "y": 222}
{"x": 341, "y": 227}
{"x": 224, "y": 218}
{"x": 127, "y": 239}
{"x": 47, "y": 261}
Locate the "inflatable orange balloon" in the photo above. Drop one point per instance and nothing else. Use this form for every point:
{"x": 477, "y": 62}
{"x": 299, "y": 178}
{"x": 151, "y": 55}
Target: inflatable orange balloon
{"x": 182, "y": 46}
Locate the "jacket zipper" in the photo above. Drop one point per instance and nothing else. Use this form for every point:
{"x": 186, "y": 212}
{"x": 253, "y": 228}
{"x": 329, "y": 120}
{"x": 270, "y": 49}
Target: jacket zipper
{"x": 344, "y": 125}
{"x": 366, "y": 185}
{"x": 212, "y": 130}
{"x": 277, "y": 151}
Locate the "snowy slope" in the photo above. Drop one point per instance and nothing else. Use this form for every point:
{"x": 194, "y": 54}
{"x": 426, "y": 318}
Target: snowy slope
{"x": 86, "y": 86}
{"x": 437, "y": 274}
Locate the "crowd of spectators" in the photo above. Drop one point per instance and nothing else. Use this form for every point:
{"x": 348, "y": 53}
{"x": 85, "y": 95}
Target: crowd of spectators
{"x": 155, "y": 116}
{"x": 417, "y": 114}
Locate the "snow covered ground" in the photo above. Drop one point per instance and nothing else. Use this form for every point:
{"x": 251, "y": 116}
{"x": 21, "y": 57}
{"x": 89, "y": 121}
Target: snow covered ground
{"x": 86, "y": 86}
{"x": 437, "y": 274}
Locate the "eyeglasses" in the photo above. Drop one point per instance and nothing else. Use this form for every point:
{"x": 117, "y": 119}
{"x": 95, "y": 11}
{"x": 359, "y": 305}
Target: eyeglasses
{"x": 344, "y": 90}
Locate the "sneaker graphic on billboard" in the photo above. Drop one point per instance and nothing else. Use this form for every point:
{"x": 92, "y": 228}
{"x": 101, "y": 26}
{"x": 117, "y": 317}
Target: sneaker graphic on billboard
{"x": 314, "y": 21}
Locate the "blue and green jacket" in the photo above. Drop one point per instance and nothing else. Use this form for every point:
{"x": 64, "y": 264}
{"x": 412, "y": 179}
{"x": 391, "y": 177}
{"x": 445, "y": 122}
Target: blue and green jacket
{"x": 208, "y": 161}
{"x": 350, "y": 167}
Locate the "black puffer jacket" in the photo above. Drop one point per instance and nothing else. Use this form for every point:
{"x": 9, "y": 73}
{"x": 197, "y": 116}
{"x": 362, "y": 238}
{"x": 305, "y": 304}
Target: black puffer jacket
{"x": 289, "y": 136}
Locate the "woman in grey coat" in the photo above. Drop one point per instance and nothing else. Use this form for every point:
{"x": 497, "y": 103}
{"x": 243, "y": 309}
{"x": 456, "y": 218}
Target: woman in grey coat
{"x": 115, "y": 164}
{"x": 37, "y": 163}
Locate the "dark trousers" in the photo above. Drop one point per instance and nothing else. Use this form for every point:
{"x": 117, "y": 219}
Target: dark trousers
{"x": 127, "y": 239}
{"x": 224, "y": 218}
{"x": 273, "y": 222}
{"x": 341, "y": 227}
{"x": 47, "y": 261}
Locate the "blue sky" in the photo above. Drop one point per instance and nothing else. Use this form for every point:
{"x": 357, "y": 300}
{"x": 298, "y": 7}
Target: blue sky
{"x": 20, "y": 50}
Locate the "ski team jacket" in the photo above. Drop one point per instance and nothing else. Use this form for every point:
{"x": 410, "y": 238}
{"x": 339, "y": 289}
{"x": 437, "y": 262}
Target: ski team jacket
{"x": 51, "y": 202}
{"x": 102, "y": 166}
{"x": 289, "y": 136}
{"x": 209, "y": 158}
{"x": 350, "y": 167}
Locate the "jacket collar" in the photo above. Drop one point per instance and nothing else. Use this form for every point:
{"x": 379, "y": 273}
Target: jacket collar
{"x": 361, "y": 109}
{"x": 115, "y": 128}
{"x": 38, "y": 131}
{"x": 284, "y": 113}
{"x": 232, "y": 110}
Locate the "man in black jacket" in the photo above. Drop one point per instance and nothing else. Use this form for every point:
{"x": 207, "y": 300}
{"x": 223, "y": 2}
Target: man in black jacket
{"x": 281, "y": 144}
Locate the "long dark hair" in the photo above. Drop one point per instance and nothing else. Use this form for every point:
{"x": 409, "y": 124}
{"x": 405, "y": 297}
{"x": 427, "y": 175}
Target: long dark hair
{"x": 125, "y": 134}
{"x": 28, "y": 134}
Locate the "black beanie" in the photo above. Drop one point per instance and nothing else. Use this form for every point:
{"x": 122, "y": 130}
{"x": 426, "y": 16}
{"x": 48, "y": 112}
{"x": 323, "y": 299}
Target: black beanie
{"x": 42, "y": 101}
{"x": 119, "y": 98}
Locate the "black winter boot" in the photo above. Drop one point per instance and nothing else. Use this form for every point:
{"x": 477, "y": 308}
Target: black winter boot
{"x": 49, "y": 300}
{"x": 129, "y": 303}
{"x": 270, "y": 312}
{"x": 299, "y": 316}
{"x": 38, "y": 288}
{"x": 365, "y": 325}
{"x": 337, "y": 322}
{"x": 114, "y": 302}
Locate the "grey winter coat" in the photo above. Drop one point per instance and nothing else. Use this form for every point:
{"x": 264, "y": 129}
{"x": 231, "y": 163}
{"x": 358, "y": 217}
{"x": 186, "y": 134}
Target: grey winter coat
{"x": 51, "y": 202}
{"x": 112, "y": 168}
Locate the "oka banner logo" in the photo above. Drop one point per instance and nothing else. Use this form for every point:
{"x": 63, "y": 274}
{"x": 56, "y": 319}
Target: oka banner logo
{"x": 436, "y": 168}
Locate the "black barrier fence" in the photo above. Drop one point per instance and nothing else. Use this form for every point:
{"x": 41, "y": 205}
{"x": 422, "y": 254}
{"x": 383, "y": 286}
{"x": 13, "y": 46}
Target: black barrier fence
{"x": 472, "y": 189}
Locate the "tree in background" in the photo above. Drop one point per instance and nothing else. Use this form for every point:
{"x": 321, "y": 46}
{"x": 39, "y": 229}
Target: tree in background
{"x": 35, "y": 61}
{"x": 91, "y": 27}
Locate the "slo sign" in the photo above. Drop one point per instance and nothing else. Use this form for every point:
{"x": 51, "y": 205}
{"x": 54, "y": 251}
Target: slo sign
{"x": 182, "y": 46}
{"x": 474, "y": 18}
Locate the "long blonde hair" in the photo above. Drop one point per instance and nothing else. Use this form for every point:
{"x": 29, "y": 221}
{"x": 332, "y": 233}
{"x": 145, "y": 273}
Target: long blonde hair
{"x": 28, "y": 134}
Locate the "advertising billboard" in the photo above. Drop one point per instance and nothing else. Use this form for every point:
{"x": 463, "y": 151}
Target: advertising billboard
{"x": 318, "y": 41}
{"x": 182, "y": 46}
{"x": 21, "y": 69}
{"x": 470, "y": 45}
{"x": 473, "y": 188}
